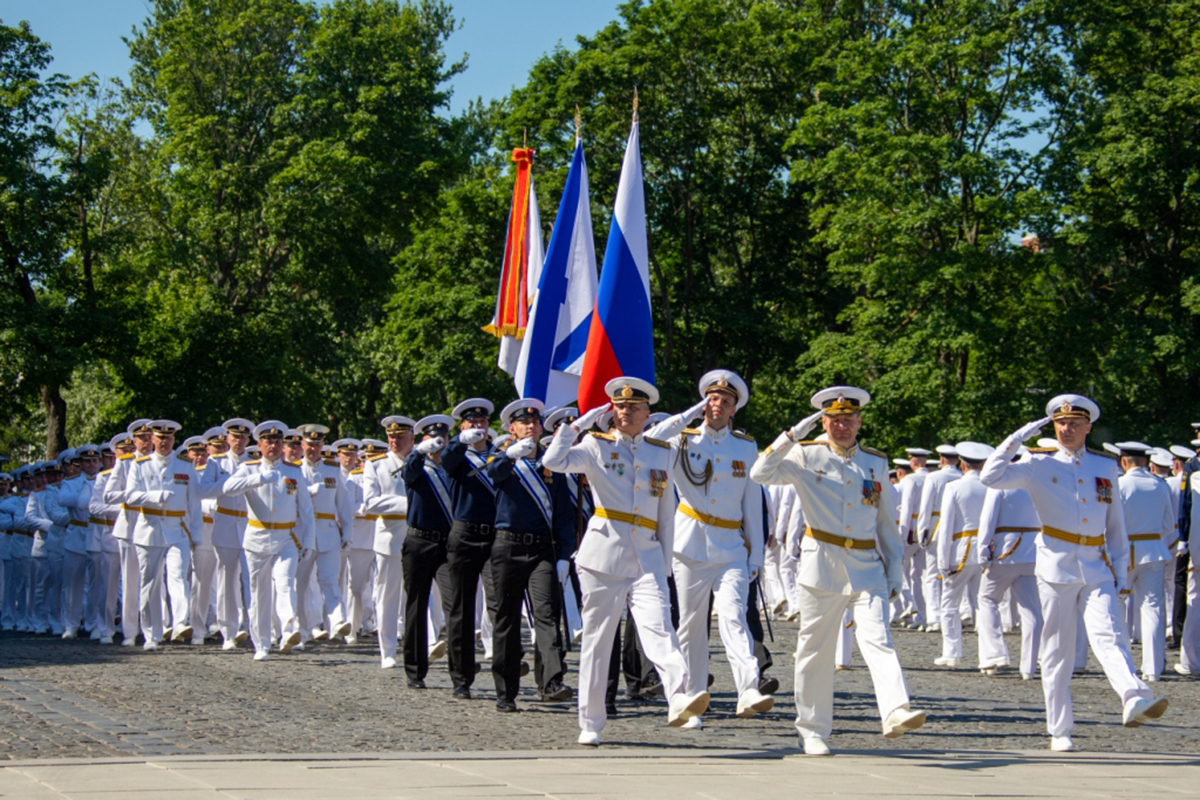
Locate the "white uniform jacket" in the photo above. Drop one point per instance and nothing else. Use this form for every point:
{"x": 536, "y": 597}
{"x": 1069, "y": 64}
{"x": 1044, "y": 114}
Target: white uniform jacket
{"x": 229, "y": 515}
{"x": 47, "y": 519}
{"x": 911, "y": 489}
{"x": 168, "y": 492}
{"x": 114, "y": 495}
{"x": 958, "y": 530}
{"x": 332, "y": 501}
{"x": 1149, "y": 521}
{"x": 278, "y": 505}
{"x": 1083, "y": 520}
{"x": 1008, "y": 528}
{"x": 844, "y": 495}
{"x": 71, "y": 493}
{"x": 719, "y": 521}
{"x": 632, "y": 532}
{"x": 21, "y": 542}
{"x": 931, "y": 501}
{"x": 385, "y": 498}
{"x": 363, "y": 529}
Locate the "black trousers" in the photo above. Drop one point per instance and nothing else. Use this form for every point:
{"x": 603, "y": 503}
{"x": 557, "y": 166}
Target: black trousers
{"x": 466, "y": 556}
{"x": 422, "y": 562}
{"x": 517, "y": 568}
{"x": 1182, "y": 564}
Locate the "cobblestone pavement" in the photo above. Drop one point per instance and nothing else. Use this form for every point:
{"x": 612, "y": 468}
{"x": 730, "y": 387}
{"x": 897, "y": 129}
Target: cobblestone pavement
{"x": 79, "y": 699}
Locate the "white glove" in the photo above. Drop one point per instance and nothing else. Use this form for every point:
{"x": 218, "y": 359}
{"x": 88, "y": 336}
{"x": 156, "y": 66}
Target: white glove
{"x": 314, "y": 489}
{"x": 695, "y": 410}
{"x": 587, "y": 420}
{"x": 430, "y": 446}
{"x": 164, "y": 496}
{"x": 473, "y": 435}
{"x": 564, "y": 569}
{"x": 1030, "y": 429}
{"x": 802, "y": 428}
{"x": 522, "y": 448}
{"x": 1181, "y": 548}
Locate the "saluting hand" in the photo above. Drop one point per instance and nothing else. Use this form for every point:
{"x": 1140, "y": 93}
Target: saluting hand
{"x": 473, "y": 435}
{"x": 1031, "y": 428}
{"x": 804, "y": 426}
{"x": 522, "y": 448}
{"x": 431, "y": 446}
{"x": 695, "y": 411}
{"x": 587, "y": 420}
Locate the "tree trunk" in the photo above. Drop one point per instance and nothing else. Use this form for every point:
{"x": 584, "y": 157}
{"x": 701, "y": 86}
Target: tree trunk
{"x": 56, "y": 420}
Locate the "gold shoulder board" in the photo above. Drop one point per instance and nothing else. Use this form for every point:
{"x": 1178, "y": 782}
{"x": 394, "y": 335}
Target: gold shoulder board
{"x": 874, "y": 452}
{"x": 331, "y": 462}
{"x": 1104, "y": 453}
{"x": 655, "y": 442}
{"x": 356, "y": 471}
{"x": 812, "y": 441}
{"x": 140, "y": 459}
{"x": 1042, "y": 449}
{"x": 381, "y": 455}
{"x": 692, "y": 431}
{"x": 741, "y": 435}
{"x": 608, "y": 437}
{"x": 126, "y": 457}
{"x": 252, "y": 463}
{"x": 105, "y": 472}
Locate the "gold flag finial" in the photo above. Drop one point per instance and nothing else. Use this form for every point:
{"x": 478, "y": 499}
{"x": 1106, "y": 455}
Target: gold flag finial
{"x": 525, "y": 138}
{"x": 635, "y": 104}
{"x": 578, "y": 123}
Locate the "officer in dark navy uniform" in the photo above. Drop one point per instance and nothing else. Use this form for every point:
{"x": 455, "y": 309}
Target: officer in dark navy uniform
{"x": 535, "y": 532}
{"x": 423, "y": 555}
{"x": 471, "y": 534}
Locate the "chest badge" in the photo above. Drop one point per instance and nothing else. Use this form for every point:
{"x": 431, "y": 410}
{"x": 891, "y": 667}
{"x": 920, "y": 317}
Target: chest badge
{"x": 1104, "y": 491}
{"x": 658, "y": 482}
{"x": 871, "y": 491}
{"x": 739, "y": 469}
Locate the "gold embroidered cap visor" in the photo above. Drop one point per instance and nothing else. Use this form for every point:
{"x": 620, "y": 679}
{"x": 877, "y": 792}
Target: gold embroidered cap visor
{"x": 631, "y": 390}
{"x": 396, "y": 424}
{"x": 433, "y": 425}
{"x": 271, "y": 429}
{"x": 1072, "y": 405}
{"x": 839, "y": 400}
{"x": 726, "y": 382}
{"x": 313, "y": 433}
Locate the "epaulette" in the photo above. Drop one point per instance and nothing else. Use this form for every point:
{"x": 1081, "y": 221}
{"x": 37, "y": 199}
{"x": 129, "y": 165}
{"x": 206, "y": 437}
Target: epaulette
{"x": 356, "y": 471}
{"x": 608, "y": 437}
{"x": 741, "y": 435}
{"x": 812, "y": 441}
{"x": 873, "y": 452}
{"x": 1043, "y": 449}
{"x": 252, "y": 463}
{"x": 381, "y": 455}
{"x": 1104, "y": 453}
{"x": 655, "y": 442}
{"x": 331, "y": 462}
{"x": 126, "y": 457}
{"x": 182, "y": 457}
{"x": 692, "y": 431}
{"x": 104, "y": 472}
{"x": 293, "y": 464}
{"x": 140, "y": 459}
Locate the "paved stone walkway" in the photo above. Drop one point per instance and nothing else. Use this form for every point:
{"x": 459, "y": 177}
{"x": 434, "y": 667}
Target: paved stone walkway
{"x": 77, "y": 699}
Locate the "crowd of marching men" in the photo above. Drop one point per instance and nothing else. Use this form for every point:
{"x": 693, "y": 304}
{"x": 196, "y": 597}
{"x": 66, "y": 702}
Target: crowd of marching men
{"x": 446, "y": 533}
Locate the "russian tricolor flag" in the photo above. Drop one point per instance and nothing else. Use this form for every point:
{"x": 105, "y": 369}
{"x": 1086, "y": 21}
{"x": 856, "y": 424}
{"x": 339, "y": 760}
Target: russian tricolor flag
{"x": 552, "y": 351}
{"x": 621, "y": 340}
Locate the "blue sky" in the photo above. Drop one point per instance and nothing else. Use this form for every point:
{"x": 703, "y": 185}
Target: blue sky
{"x": 502, "y": 39}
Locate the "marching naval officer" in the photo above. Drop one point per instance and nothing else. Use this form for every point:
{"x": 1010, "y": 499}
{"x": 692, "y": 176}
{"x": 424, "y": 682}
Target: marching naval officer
{"x": 954, "y": 543}
{"x": 535, "y": 535}
{"x": 911, "y": 491}
{"x": 1150, "y": 525}
{"x": 718, "y": 545}
{"x": 1082, "y": 559}
{"x": 333, "y": 508}
{"x": 851, "y": 558}
{"x": 626, "y": 550}
{"x": 229, "y": 525}
{"x": 927, "y": 519}
{"x": 279, "y": 530}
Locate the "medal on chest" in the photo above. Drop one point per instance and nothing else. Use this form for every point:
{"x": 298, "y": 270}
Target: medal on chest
{"x": 871, "y": 491}
{"x": 739, "y": 469}
{"x": 290, "y": 485}
{"x": 180, "y": 479}
{"x": 1104, "y": 490}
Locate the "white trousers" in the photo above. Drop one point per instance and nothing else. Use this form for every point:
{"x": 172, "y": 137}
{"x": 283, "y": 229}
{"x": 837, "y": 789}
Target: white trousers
{"x": 604, "y": 599}
{"x": 998, "y": 579}
{"x": 1146, "y": 583}
{"x": 954, "y": 587}
{"x": 931, "y": 587}
{"x": 204, "y": 574}
{"x": 327, "y": 566}
{"x": 272, "y": 594}
{"x": 71, "y": 605}
{"x": 177, "y": 560}
{"x": 131, "y": 582}
{"x": 1061, "y": 603}
{"x": 1189, "y": 650}
{"x": 821, "y": 616}
{"x": 914, "y": 588}
{"x": 571, "y": 606}
{"x": 110, "y": 590}
{"x": 845, "y": 641}
{"x": 359, "y": 587}
{"x": 19, "y": 590}
{"x": 229, "y": 590}
{"x": 788, "y": 567}
{"x": 772, "y": 584}
{"x": 389, "y": 605}
{"x": 729, "y": 585}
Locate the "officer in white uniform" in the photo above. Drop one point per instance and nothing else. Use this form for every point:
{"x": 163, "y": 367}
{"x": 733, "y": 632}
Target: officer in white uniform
{"x": 114, "y": 494}
{"x": 103, "y": 517}
{"x": 911, "y": 491}
{"x": 10, "y": 507}
{"x": 955, "y": 546}
{"x": 1007, "y": 551}
{"x": 360, "y": 558}
{"x": 1082, "y": 559}
{"x": 333, "y": 507}
{"x": 927, "y": 518}
{"x": 624, "y": 554}
{"x": 229, "y": 526}
{"x": 76, "y": 566}
{"x": 1150, "y": 525}
{"x": 165, "y": 487}
{"x": 718, "y": 534}
{"x": 385, "y": 498}
{"x": 851, "y": 559}
{"x": 49, "y": 520}
{"x": 204, "y": 557}
{"x": 279, "y": 529}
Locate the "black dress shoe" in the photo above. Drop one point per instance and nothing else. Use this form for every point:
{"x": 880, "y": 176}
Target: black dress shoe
{"x": 768, "y": 685}
{"x": 506, "y": 706}
{"x": 652, "y": 689}
{"x": 710, "y": 680}
{"x": 462, "y": 692}
{"x": 416, "y": 683}
{"x": 610, "y": 709}
{"x": 555, "y": 692}
{"x": 524, "y": 668}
